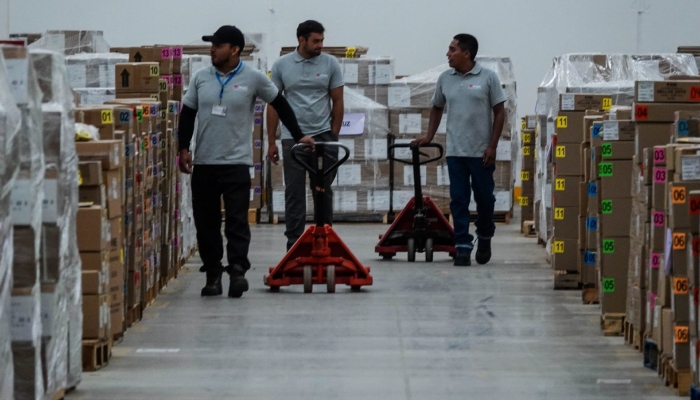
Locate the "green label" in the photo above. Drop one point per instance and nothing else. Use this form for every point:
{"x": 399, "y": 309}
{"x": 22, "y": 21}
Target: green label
{"x": 608, "y": 285}
{"x": 606, "y": 150}
{"x": 605, "y": 169}
{"x": 608, "y": 246}
{"x": 606, "y": 206}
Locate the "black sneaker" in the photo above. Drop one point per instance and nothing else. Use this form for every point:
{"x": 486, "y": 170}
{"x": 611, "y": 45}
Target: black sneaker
{"x": 213, "y": 286}
{"x": 239, "y": 284}
{"x": 463, "y": 258}
{"x": 483, "y": 251}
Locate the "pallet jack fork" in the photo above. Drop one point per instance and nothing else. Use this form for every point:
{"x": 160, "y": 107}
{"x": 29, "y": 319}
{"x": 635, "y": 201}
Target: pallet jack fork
{"x": 421, "y": 226}
{"x": 319, "y": 256}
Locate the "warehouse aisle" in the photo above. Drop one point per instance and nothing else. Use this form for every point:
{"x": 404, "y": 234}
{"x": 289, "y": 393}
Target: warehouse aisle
{"x": 423, "y": 331}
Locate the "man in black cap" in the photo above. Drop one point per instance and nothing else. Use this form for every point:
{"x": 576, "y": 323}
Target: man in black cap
{"x": 222, "y": 98}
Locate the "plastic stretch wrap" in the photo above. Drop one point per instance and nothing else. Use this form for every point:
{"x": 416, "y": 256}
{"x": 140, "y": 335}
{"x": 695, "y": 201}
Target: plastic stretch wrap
{"x": 187, "y": 235}
{"x": 95, "y": 96}
{"x": 26, "y": 213}
{"x": 93, "y": 70}
{"x": 369, "y": 75}
{"x": 72, "y": 42}
{"x": 60, "y": 278}
{"x": 192, "y": 64}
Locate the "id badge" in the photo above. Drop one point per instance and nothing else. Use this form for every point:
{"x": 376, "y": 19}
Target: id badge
{"x": 219, "y": 111}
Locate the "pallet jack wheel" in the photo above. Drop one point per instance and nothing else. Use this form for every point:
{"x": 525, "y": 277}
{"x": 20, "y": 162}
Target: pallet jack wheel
{"x": 411, "y": 249}
{"x": 308, "y": 283}
{"x": 274, "y": 289}
{"x": 429, "y": 250}
{"x": 387, "y": 256}
{"x": 330, "y": 279}
{"x": 453, "y": 255}
{"x": 355, "y": 288}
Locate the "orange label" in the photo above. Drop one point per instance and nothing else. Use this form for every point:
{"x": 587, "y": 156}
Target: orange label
{"x": 681, "y": 334}
{"x": 678, "y": 195}
{"x": 680, "y": 286}
{"x": 679, "y": 241}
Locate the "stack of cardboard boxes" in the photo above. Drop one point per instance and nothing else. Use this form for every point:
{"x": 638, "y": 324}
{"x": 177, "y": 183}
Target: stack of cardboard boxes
{"x": 526, "y": 197}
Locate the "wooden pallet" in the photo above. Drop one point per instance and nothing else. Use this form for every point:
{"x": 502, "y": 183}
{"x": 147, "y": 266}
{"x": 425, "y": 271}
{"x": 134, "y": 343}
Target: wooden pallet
{"x": 567, "y": 280}
{"x": 253, "y": 216}
{"x": 589, "y": 295}
{"x": 628, "y": 329}
{"x": 527, "y": 228}
{"x": 95, "y": 354}
{"x": 612, "y": 324}
{"x": 633, "y": 338}
{"x": 679, "y": 381}
{"x": 60, "y": 395}
{"x": 133, "y": 316}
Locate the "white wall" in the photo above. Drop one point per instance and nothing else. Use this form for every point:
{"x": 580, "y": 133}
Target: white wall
{"x": 415, "y": 32}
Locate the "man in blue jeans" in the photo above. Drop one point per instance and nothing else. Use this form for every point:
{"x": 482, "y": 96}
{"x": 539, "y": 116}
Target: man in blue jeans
{"x": 474, "y": 123}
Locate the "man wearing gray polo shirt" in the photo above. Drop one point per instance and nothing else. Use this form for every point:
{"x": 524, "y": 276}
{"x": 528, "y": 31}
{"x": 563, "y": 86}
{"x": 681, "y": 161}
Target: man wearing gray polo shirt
{"x": 475, "y": 120}
{"x": 222, "y": 99}
{"x": 312, "y": 82}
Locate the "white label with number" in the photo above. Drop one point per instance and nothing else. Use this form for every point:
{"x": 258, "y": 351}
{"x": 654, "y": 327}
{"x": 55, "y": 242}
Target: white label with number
{"x": 22, "y": 201}
{"x": 378, "y": 200}
{"x": 645, "y": 92}
{"x": 408, "y": 175}
{"x": 611, "y": 131}
{"x": 345, "y": 201}
{"x": 18, "y": 76}
{"x": 410, "y": 123}
{"x": 375, "y": 149}
{"x": 568, "y": 102}
{"x": 348, "y": 175}
{"x": 690, "y": 168}
{"x": 399, "y": 96}
{"x": 380, "y": 74}
{"x": 22, "y": 323}
{"x": 350, "y": 73}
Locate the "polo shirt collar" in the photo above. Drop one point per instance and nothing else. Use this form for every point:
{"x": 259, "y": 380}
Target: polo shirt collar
{"x": 216, "y": 70}
{"x": 475, "y": 71}
{"x": 298, "y": 58}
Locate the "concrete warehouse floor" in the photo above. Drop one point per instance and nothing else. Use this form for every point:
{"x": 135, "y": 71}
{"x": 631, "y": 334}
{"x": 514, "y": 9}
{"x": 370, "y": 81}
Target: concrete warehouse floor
{"x": 423, "y": 331}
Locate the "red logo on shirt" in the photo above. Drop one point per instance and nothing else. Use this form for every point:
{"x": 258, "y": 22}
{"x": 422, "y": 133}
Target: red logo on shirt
{"x": 236, "y": 87}
{"x": 317, "y": 75}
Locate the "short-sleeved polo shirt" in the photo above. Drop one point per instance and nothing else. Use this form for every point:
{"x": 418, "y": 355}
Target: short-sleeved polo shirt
{"x": 228, "y": 139}
{"x": 470, "y": 99}
{"x": 306, "y": 84}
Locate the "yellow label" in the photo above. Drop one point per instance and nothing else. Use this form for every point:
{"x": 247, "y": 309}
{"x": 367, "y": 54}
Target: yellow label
{"x": 561, "y": 152}
{"x": 527, "y": 137}
{"x": 154, "y": 70}
{"x": 350, "y": 52}
{"x": 523, "y": 124}
{"x": 607, "y": 103}
{"x": 526, "y": 151}
{"x": 80, "y": 178}
{"x": 559, "y": 213}
{"x": 107, "y": 117}
{"x": 525, "y": 175}
{"x": 163, "y": 85}
{"x": 269, "y": 74}
{"x": 121, "y": 255}
{"x": 163, "y": 115}
{"x": 155, "y": 96}
{"x": 558, "y": 247}
{"x": 562, "y": 122}
{"x": 523, "y": 201}
{"x": 560, "y": 184}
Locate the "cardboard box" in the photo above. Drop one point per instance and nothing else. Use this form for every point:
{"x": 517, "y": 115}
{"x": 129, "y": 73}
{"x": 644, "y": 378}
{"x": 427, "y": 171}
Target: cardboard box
{"x": 617, "y": 150}
{"x": 614, "y": 217}
{"x": 658, "y": 231}
{"x": 615, "y": 179}
{"x": 92, "y": 282}
{"x": 667, "y": 91}
{"x": 683, "y": 210}
{"x": 109, "y": 152}
{"x": 91, "y": 224}
{"x": 565, "y": 254}
{"x": 667, "y": 331}
{"x": 95, "y": 316}
{"x": 566, "y": 222}
{"x": 660, "y": 112}
{"x": 116, "y": 235}
{"x": 90, "y": 173}
{"x": 569, "y": 127}
{"x": 137, "y": 77}
{"x": 583, "y": 102}
{"x": 618, "y": 130}
{"x": 650, "y": 135}
{"x": 114, "y": 189}
{"x": 566, "y": 191}
{"x": 567, "y": 158}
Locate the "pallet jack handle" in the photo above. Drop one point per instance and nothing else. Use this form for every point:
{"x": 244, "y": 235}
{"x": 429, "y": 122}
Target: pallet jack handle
{"x": 416, "y": 161}
{"x": 319, "y": 173}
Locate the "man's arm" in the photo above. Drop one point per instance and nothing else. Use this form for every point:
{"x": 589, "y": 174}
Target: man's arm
{"x": 286, "y": 114}
{"x": 499, "y": 118}
{"x": 433, "y": 124}
{"x": 337, "y": 113}
{"x": 273, "y": 122}
{"x": 185, "y": 133}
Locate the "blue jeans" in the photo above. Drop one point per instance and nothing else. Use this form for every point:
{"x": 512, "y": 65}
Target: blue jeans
{"x": 461, "y": 170}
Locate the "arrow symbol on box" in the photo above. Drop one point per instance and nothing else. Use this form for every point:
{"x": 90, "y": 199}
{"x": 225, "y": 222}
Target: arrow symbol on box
{"x": 138, "y": 57}
{"x": 125, "y": 78}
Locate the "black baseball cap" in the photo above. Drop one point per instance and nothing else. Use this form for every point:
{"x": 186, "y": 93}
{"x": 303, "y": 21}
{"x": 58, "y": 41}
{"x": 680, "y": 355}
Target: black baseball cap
{"x": 227, "y": 34}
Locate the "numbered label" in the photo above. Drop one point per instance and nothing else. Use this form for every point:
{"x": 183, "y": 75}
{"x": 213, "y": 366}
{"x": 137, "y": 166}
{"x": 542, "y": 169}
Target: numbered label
{"x": 608, "y": 246}
{"x": 177, "y": 52}
{"x": 596, "y": 131}
{"x": 606, "y": 150}
{"x": 350, "y": 52}
{"x": 641, "y": 112}
{"x": 592, "y": 224}
{"x": 696, "y": 247}
{"x": 589, "y": 258}
{"x": 154, "y": 70}
{"x": 527, "y": 137}
{"x": 560, "y": 184}
{"x": 166, "y": 53}
{"x": 107, "y": 117}
{"x": 607, "y": 103}
{"x": 562, "y": 122}
{"x": 526, "y": 151}
{"x": 608, "y": 285}
{"x": 163, "y": 85}
{"x": 678, "y": 195}
{"x": 559, "y": 213}
{"x": 523, "y": 124}
{"x": 80, "y": 178}
{"x": 680, "y": 285}
{"x": 683, "y": 127}
{"x": 659, "y": 219}
{"x": 139, "y": 115}
{"x": 606, "y": 206}
{"x": 660, "y": 156}
{"x": 655, "y": 260}
{"x": 525, "y": 175}
{"x": 680, "y": 334}
{"x": 561, "y": 152}
{"x": 146, "y": 110}
{"x": 593, "y": 189}
{"x": 659, "y": 175}
{"x": 679, "y": 241}
{"x": 558, "y": 247}
{"x": 605, "y": 170}
{"x": 695, "y": 93}
{"x": 523, "y": 201}
{"x": 124, "y": 116}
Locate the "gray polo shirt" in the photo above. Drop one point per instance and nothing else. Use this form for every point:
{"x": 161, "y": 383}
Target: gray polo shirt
{"x": 226, "y": 139}
{"x": 470, "y": 99}
{"x": 306, "y": 85}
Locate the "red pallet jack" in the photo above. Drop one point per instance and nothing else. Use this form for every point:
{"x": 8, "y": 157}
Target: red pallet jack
{"x": 421, "y": 226}
{"x": 319, "y": 256}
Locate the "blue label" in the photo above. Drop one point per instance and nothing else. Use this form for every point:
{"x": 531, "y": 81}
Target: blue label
{"x": 592, "y": 224}
{"x": 593, "y": 189}
{"x": 592, "y": 153}
{"x": 596, "y": 131}
{"x": 588, "y": 258}
{"x": 683, "y": 127}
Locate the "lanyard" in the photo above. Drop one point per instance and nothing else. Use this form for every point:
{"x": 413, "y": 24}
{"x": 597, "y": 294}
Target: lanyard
{"x": 223, "y": 84}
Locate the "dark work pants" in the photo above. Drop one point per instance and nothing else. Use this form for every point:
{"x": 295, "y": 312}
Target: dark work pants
{"x": 462, "y": 170}
{"x": 209, "y": 184}
{"x": 295, "y": 186}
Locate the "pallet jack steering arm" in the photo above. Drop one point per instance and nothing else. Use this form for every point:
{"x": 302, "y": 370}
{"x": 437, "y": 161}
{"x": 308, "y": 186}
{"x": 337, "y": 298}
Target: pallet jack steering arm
{"x": 416, "y": 161}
